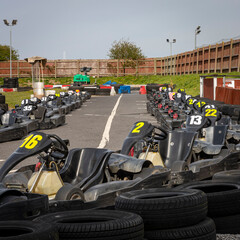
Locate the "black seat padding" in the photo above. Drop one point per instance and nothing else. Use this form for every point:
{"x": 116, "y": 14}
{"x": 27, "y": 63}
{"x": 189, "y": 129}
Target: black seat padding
{"x": 85, "y": 166}
{"x": 177, "y": 146}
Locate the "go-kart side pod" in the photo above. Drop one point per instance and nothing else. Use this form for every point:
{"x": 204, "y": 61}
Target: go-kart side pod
{"x": 33, "y": 144}
{"x": 139, "y": 131}
{"x": 12, "y": 133}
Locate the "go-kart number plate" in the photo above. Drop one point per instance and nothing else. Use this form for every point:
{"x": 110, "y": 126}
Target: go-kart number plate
{"x": 31, "y": 141}
{"x": 195, "y": 120}
{"x": 200, "y": 104}
{"x": 137, "y": 128}
{"x": 210, "y": 112}
{"x": 27, "y": 108}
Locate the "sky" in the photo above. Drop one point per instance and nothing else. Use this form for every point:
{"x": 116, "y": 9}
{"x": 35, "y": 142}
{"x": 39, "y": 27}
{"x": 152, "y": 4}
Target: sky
{"x": 86, "y": 29}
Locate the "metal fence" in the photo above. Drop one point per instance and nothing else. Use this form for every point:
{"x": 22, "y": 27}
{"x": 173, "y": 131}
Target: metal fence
{"x": 221, "y": 57}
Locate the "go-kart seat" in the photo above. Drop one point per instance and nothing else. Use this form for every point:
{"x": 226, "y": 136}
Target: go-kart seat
{"x": 214, "y": 141}
{"x": 177, "y": 146}
{"x": 84, "y": 167}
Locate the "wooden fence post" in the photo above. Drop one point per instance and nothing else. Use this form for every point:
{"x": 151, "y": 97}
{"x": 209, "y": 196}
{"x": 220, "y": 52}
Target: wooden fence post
{"x": 117, "y": 68}
{"x": 155, "y": 66}
{"x": 197, "y": 60}
{"x": 55, "y": 63}
{"x": 216, "y": 57}
{"x": 221, "y": 67}
{"x": 98, "y": 68}
{"x": 238, "y": 58}
{"x": 209, "y": 58}
{"x": 162, "y": 67}
{"x": 18, "y": 68}
{"x": 230, "y": 57}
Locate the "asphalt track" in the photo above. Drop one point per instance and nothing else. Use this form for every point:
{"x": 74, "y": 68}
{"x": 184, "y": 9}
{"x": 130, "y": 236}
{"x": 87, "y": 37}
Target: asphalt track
{"x": 85, "y": 126}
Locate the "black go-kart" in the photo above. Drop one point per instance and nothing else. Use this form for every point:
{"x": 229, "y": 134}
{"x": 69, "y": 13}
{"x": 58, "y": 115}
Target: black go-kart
{"x": 89, "y": 174}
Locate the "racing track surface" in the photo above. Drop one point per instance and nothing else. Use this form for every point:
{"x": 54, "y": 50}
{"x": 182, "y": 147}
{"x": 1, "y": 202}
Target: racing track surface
{"x": 85, "y": 126}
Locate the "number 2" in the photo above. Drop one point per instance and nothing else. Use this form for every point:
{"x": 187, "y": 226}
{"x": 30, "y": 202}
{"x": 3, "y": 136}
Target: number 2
{"x": 138, "y": 126}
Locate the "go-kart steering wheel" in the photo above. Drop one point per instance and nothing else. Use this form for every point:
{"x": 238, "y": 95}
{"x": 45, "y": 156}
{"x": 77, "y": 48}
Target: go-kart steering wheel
{"x": 62, "y": 149}
{"x": 162, "y": 135}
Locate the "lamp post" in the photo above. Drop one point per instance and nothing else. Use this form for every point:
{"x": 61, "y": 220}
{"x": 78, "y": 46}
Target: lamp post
{"x": 197, "y": 31}
{"x": 171, "y": 42}
{"x": 14, "y": 22}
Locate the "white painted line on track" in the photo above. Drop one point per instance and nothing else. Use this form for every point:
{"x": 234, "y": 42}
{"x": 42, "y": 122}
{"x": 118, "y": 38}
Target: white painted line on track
{"x": 140, "y": 101}
{"x": 2, "y": 160}
{"x": 141, "y": 104}
{"x": 105, "y": 136}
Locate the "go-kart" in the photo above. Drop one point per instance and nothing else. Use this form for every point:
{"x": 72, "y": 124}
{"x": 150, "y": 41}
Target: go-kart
{"x": 179, "y": 149}
{"x": 82, "y": 173}
{"x": 18, "y": 122}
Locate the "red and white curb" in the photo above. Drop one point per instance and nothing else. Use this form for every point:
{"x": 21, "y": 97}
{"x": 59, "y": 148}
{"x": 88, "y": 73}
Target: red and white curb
{"x": 58, "y": 86}
{"x": 8, "y": 89}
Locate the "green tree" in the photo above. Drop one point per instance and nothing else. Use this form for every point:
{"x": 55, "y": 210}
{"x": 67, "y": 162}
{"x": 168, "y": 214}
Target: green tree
{"x": 127, "y": 53}
{"x": 5, "y": 53}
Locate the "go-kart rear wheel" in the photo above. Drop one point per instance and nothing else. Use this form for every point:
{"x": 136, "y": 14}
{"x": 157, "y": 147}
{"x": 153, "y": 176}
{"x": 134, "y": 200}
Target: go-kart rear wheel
{"x": 69, "y": 192}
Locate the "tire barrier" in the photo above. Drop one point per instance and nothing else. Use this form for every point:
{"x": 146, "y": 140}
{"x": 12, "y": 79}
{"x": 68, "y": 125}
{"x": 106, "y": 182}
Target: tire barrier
{"x": 223, "y": 203}
{"x": 27, "y": 230}
{"x": 169, "y": 212}
{"x": 96, "y": 224}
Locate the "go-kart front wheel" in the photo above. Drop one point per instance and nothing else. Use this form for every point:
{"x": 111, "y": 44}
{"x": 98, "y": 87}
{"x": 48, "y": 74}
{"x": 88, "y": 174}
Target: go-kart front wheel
{"x": 69, "y": 192}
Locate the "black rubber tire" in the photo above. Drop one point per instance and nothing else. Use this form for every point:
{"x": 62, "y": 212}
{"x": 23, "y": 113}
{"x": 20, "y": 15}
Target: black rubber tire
{"x": 4, "y": 106}
{"x": 165, "y": 208}
{"x": 27, "y": 230}
{"x": 204, "y": 230}
{"x": 2, "y": 99}
{"x": 223, "y": 197}
{"x": 96, "y": 224}
{"x": 228, "y": 224}
{"x": 104, "y": 92}
{"x": 24, "y": 209}
{"x": 228, "y": 176}
{"x": 69, "y": 192}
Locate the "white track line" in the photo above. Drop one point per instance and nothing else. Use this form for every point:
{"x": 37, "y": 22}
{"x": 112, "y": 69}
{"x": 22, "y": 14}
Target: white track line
{"x": 2, "y": 160}
{"x": 105, "y": 136}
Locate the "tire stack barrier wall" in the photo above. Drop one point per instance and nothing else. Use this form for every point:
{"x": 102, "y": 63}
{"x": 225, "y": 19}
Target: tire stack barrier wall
{"x": 10, "y": 82}
{"x": 96, "y": 224}
{"x": 167, "y": 213}
{"x": 223, "y": 203}
{"x": 3, "y": 105}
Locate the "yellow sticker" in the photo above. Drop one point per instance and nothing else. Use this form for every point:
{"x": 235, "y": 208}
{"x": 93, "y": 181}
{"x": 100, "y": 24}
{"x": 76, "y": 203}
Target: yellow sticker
{"x": 211, "y": 112}
{"x": 138, "y": 126}
{"x": 31, "y": 141}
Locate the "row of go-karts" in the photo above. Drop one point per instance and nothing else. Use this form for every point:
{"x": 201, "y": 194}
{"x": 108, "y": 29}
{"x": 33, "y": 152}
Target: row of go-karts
{"x": 158, "y": 174}
{"x": 33, "y": 114}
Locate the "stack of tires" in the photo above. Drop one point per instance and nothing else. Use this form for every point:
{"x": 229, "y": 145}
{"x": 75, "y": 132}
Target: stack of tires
{"x": 95, "y": 224}
{"x": 223, "y": 203}
{"x": 170, "y": 213}
{"x": 3, "y": 105}
{"x": 11, "y": 82}
{"x": 38, "y": 224}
